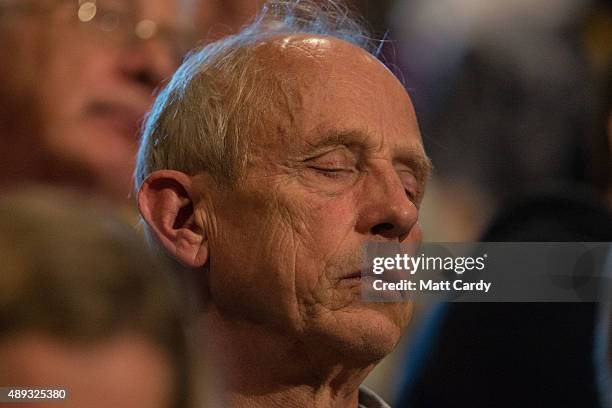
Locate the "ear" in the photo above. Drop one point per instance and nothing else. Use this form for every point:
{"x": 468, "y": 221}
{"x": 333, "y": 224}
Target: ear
{"x": 166, "y": 203}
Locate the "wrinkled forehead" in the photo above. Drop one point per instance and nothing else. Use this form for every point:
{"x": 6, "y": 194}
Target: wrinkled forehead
{"x": 323, "y": 82}
{"x": 311, "y": 54}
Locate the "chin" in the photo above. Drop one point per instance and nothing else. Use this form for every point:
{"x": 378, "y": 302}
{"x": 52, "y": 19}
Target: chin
{"x": 366, "y": 333}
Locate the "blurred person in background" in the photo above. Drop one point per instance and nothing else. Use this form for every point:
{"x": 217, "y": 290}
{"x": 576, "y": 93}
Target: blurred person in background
{"x": 75, "y": 82}
{"x": 510, "y": 104}
{"x": 506, "y": 96}
{"x": 84, "y": 307}
{"x": 218, "y": 18}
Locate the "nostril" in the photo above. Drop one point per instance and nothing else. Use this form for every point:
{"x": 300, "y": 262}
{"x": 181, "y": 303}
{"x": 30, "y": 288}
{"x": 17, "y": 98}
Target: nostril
{"x": 146, "y": 78}
{"x": 382, "y": 228}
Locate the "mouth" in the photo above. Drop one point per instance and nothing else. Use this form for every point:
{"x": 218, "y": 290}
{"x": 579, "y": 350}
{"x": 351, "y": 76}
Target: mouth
{"x": 118, "y": 117}
{"x": 352, "y": 279}
{"x": 352, "y": 275}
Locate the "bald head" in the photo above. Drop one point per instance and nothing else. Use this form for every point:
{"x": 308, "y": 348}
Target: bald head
{"x": 301, "y": 56}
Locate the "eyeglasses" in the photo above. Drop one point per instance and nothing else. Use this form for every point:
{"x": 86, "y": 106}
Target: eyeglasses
{"x": 112, "y": 21}
{"x": 117, "y": 21}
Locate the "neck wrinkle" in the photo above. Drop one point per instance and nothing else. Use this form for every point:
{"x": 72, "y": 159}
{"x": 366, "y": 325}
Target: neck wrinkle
{"x": 262, "y": 368}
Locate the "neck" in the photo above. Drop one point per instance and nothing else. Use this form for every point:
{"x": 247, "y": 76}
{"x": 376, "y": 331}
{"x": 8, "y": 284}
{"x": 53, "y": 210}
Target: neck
{"x": 264, "y": 368}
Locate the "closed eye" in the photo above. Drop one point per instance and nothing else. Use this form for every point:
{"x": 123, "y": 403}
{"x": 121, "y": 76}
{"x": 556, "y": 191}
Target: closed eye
{"x": 332, "y": 172}
{"x": 335, "y": 163}
{"x": 411, "y": 186}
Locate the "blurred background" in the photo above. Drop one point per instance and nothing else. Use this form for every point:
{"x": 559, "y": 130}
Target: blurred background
{"x": 514, "y": 102}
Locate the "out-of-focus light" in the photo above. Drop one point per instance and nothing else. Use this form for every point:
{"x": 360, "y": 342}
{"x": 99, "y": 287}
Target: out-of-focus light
{"x": 87, "y": 11}
{"x": 146, "y": 29}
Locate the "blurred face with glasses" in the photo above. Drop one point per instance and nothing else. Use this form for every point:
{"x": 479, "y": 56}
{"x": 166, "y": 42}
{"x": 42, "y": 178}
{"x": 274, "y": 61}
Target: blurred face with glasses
{"x": 77, "y": 78}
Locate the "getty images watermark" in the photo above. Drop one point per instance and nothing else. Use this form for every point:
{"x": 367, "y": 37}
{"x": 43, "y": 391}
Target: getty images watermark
{"x": 488, "y": 272}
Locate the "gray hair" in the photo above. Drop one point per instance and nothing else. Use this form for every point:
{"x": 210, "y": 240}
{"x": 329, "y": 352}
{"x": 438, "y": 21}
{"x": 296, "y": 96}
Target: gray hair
{"x": 201, "y": 121}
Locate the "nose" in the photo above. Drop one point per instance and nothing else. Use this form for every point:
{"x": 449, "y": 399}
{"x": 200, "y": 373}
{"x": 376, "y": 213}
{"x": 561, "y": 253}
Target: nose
{"x": 386, "y": 210}
{"x": 148, "y": 63}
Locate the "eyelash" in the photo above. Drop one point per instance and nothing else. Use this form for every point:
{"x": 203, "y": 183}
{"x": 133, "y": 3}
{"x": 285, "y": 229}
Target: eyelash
{"x": 337, "y": 173}
{"x": 412, "y": 196}
{"x": 331, "y": 173}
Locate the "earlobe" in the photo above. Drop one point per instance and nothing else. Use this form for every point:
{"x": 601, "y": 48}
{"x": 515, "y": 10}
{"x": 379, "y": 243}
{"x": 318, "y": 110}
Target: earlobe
{"x": 166, "y": 203}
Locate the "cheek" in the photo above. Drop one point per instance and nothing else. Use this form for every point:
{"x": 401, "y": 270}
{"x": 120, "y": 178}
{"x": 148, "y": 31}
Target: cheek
{"x": 60, "y": 90}
{"x": 253, "y": 259}
{"x": 332, "y": 222}
{"x": 76, "y": 67}
{"x": 328, "y": 245}
{"x": 415, "y": 235}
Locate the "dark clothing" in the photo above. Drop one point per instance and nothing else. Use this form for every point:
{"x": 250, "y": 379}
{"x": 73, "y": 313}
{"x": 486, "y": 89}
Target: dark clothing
{"x": 516, "y": 354}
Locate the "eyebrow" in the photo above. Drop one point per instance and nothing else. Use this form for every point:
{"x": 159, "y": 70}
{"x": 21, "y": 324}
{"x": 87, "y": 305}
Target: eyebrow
{"x": 418, "y": 161}
{"x": 331, "y": 138}
{"x": 413, "y": 157}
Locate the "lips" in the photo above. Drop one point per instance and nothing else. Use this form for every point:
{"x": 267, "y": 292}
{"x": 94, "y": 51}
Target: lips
{"x": 353, "y": 275}
{"x": 120, "y": 117}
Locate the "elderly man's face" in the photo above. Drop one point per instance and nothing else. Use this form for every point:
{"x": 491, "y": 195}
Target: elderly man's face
{"x": 342, "y": 165}
{"x": 91, "y": 80}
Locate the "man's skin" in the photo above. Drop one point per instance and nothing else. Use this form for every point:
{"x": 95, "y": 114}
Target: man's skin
{"x": 72, "y": 99}
{"x": 342, "y": 165}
